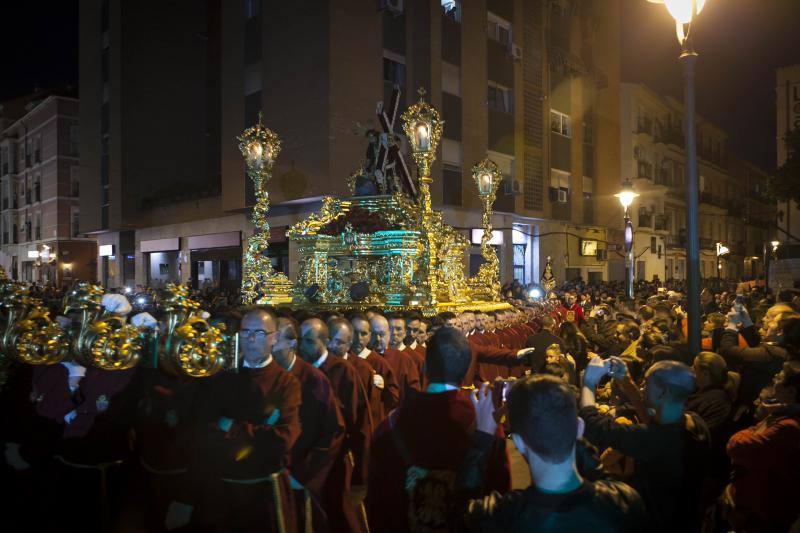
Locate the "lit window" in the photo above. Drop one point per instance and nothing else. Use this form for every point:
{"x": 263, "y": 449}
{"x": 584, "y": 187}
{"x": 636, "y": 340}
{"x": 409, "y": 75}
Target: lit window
{"x": 500, "y": 98}
{"x": 560, "y": 123}
{"x": 498, "y": 29}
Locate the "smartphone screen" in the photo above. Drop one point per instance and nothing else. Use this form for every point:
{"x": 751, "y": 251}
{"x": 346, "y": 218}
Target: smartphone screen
{"x": 504, "y": 393}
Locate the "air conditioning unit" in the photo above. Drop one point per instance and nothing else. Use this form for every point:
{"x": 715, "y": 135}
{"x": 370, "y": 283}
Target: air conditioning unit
{"x": 395, "y": 6}
{"x": 512, "y": 187}
{"x": 515, "y": 51}
{"x": 562, "y": 196}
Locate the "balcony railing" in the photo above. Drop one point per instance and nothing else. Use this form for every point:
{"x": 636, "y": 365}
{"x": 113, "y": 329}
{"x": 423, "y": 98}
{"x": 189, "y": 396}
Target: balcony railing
{"x": 644, "y": 170}
{"x": 662, "y": 223}
{"x": 644, "y": 125}
{"x": 675, "y": 241}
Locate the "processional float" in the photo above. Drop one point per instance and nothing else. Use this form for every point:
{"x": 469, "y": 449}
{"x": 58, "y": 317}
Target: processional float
{"x": 384, "y": 245}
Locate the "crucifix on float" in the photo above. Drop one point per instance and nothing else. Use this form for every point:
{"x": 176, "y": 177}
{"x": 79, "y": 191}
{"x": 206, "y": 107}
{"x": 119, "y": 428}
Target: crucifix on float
{"x": 391, "y": 172}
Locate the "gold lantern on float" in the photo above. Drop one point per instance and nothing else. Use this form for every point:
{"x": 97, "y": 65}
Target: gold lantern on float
{"x": 423, "y": 127}
{"x": 261, "y": 284}
{"x": 486, "y": 283}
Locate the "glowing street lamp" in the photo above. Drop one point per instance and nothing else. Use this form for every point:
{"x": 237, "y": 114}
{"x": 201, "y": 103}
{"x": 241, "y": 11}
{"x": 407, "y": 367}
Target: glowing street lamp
{"x": 626, "y": 197}
{"x": 684, "y": 12}
{"x": 721, "y": 251}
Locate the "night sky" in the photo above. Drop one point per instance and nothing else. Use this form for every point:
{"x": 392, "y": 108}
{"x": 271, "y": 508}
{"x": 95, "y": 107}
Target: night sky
{"x": 740, "y": 43}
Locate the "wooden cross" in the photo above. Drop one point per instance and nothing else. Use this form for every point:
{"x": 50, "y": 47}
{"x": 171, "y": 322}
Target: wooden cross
{"x": 389, "y": 156}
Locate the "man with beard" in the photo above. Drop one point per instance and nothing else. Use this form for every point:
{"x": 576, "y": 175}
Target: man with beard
{"x": 341, "y": 500}
{"x": 322, "y": 428}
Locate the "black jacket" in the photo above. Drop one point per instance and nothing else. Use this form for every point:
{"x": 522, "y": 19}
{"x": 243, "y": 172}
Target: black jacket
{"x": 540, "y": 341}
{"x": 757, "y": 364}
{"x": 671, "y": 463}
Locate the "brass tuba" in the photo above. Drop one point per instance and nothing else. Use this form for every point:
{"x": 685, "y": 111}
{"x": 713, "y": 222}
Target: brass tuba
{"x": 29, "y": 334}
{"x": 103, "y": 340}
{"x": 190, "y": 345}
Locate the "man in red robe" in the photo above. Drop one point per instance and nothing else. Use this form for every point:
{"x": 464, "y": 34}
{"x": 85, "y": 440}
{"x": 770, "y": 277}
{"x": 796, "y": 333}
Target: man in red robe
{"x": 403, "y": 365}
{"x": 383, "y": 377}
{"x": 412, "y": 476}
{"x": 397, "y": 337}
{"x": 346, "y": 483}
{"x": 243, "y": 445}
{"x": 322, "y": 428}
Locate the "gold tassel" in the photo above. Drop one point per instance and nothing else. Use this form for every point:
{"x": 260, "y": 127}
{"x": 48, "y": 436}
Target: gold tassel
{"x": 278, "y": 500}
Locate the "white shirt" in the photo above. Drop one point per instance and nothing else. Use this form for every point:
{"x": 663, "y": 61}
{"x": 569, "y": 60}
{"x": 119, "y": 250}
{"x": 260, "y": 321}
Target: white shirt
{"x": 291, "y": 365}
{"x": 318, "y": 363}
{"x": 363, "y": 354}
{"x": 262, "y": 364}
{"x": 413, "y": 345}
{"x": 400, "y": 347}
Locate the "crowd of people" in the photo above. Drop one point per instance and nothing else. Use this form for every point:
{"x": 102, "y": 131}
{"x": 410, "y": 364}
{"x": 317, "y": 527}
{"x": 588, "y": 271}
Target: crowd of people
{"x": 372, "y": 421}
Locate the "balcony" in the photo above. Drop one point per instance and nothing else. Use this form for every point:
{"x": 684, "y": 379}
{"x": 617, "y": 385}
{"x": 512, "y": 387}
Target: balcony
{"x": 673, "y": 136}
{"x": 644, "y": 125}
{"x": 664, "y": 177}
{"x": 662, "y": 223}
{"x": 644, "y": 170}
{"x": 675, "y": 241}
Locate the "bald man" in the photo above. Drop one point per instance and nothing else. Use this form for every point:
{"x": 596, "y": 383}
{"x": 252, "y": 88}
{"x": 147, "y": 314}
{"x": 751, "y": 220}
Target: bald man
{"x": 322, "y": 425}
{"x": 250, "y": 422}
{"x": 341, "y": 344}
{"x": 341, "y": 503}
{"x": 671, "y": 447}
{"x": 403, "y": 365}
{"x": 383, "y": 378}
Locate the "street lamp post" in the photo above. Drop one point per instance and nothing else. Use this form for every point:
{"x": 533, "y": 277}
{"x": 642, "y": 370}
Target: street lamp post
{"x": 626, "y": 197}
{"x": 721, "y": 251}
{"x": 769, "y": 255}
{"x": 684, "y": 11}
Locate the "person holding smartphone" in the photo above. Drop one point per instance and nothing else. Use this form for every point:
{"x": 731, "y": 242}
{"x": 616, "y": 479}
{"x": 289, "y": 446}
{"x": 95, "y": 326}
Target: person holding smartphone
{"x": 669, "y": 445}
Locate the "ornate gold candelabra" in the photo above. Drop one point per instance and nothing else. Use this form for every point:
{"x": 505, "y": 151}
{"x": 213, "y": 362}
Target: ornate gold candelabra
{"x": 423, "y": 127}
{"x": 261, "y": 284}
{"x": 487, "y": 280}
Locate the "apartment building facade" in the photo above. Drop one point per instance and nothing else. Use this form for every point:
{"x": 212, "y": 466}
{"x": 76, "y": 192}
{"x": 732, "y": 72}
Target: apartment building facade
{"x": 733, "y": 226}
{"x": 521, "y": 82}
{"x": 39, "y": 192}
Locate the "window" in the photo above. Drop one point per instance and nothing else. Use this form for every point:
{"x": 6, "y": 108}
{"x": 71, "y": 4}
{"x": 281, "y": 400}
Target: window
{"x": 74, "y": 181}
{"x": 500, "y": 98}
{"x": 37, "y": 149}
{"x": 394, "y": 69}
{"x": 588, "y": 133}
{"x": 560, "y": 123}
{"x": 252, "y": 8}
{"x": 38, "y": 228}
{"x": 74, "y": 140}
{"x": 560, "y": 184}
{"x": 451, "y": 79}
{"x": 452, "y": 9}
{"x": 519, "y": 261}
{"x": 75, "y": 222}
{"x": 498, "y": 29}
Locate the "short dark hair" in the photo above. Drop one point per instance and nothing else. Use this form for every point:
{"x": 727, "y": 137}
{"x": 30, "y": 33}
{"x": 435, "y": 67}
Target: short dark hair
{"x": 548, "y": 322}
{"x": 357, "y": 315}
{"x": 448, "y": 356}
{"x": 446, "y": 315}
{"x": 791, "y": 377}
{"x": 791, "y": 332}
{"x": 543, "y": 412}
{"x": 413, "y": 316}
{"x": 646, "y": 312}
